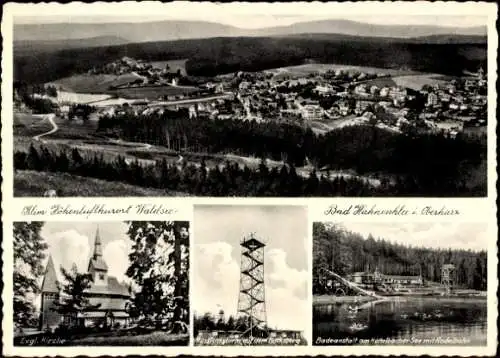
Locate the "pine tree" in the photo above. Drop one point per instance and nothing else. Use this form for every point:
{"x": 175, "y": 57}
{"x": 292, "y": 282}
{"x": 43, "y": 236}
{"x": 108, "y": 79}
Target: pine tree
{"x": 29, "y": 252}
{"x": 159, "y": 266}
{"x": 72, "y": 299}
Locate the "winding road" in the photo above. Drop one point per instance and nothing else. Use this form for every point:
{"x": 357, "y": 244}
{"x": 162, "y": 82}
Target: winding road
{"x": 55, "y": 128}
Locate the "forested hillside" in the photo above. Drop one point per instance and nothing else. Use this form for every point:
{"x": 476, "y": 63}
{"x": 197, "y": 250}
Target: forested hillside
{"x": 346, "y": 252}
{"x": 432, "y": 165}
{"x": 208, "y": 57}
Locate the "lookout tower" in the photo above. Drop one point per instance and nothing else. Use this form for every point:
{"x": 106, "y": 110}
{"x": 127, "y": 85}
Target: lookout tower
{"x": 448, "y": 277}
{"x": 251, "y": 299}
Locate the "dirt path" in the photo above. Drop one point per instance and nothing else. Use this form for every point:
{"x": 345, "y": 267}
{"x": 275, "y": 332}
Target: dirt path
{"x": 55, "y": 128}
{"x": 134, "y": 144}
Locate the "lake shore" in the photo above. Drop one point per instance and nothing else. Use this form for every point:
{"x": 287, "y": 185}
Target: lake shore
{"x": 327, "y": 299}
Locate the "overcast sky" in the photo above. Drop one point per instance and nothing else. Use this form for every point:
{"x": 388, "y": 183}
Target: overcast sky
{"x": 454, "y": 235}
{"x": 261, "y": 15}
{"x": 73, "y": 242}
{"x": 217, "y": 233}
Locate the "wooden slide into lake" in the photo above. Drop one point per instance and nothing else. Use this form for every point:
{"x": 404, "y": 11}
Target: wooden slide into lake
{"x": 352, "y": 285}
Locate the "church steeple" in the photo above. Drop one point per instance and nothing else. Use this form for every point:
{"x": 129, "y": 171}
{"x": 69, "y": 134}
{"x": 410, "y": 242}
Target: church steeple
{"x": 49, "y": 284}
{"x": 97, "y": 245}
{"x": 96, "y": 262}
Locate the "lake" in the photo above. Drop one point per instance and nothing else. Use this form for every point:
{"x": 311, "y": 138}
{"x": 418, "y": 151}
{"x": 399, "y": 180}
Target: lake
{"x": 398, "y": 320}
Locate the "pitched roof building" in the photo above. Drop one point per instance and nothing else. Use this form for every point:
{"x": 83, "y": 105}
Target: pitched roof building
{"x": 105, "y": 291}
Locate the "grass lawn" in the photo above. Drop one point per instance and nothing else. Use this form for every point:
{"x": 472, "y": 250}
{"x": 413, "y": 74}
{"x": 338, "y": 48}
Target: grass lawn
{"x": 29, "y": 183}
{"x": 157, "y": 338}
{"x": 115, "y": 338}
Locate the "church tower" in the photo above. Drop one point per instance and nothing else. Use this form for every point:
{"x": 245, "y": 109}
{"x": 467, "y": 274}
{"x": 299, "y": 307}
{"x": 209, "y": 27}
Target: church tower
{"x": 49, "y": 319}
{"x": 480, "y": 73}
{"x": 97, "y": 266}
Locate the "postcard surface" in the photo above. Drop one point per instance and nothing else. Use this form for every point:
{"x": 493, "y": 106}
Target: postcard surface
{"x": 249, "y": 179}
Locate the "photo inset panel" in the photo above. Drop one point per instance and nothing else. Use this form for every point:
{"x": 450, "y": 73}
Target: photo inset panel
{"x": 106, "y": 283}
{"x": 250, "y": 275}
{"x": 400, "y": 284}
{"x": 300, "y": 106}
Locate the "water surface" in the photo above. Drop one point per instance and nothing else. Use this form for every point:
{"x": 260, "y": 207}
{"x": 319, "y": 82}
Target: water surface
{"x": 425, "y": 321}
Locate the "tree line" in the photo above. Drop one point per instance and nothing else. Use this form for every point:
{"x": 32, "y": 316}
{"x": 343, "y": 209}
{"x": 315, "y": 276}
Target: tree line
{"x": 210, "y": 57}
{"x": 211, "y": 322}
{"x": 158, "y": 267}
{"x": 227, "y": 179}
{"x": 345, "y": 252}
{"x": 432, "y": 164}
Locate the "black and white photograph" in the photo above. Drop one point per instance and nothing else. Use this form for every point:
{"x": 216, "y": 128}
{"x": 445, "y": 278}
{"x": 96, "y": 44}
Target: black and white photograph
{"x": 420, "y": 284}
{"x": 250, "y": 276}
{"x": 199, "y": 99}
{"x": 101, "y": 284}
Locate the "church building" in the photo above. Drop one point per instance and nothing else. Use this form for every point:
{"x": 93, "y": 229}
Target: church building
{"x": 111, "y": 295}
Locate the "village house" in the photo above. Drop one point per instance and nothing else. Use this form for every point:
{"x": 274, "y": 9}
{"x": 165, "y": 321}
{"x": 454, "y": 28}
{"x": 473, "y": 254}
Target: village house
{"x": 311, "y": 112}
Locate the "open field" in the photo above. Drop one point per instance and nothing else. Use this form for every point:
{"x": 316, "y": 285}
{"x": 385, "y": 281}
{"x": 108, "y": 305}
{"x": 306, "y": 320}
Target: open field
{"x": 174, "y": 65}
{"x": 29, "y": 183}
{"x": 95, "y": 88}
{"x": 80, "y": 98}
{"x": 416, "y": 82}
{"x": 100, "y": 83}
{"x": 152, "y": 92}
{"x": 304, "y": 70}
{"x": 26, "y": 124}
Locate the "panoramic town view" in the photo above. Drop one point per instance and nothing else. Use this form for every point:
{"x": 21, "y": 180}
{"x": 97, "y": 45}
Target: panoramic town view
{"x": 317, "y": 108}
{"x": 400, "y": 284}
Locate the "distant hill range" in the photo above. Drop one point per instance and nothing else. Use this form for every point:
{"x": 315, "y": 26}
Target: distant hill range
{"x": 44, "y": 53}
{"x": 118, "y": 33}
{"x": 54, "y": 45}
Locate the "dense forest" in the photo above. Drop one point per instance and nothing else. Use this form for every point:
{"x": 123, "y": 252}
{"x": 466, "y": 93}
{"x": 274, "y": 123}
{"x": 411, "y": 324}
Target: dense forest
{"x": 430, "y": 164}
{"x": 208, "y": 57}
{"x": 230, "y": 180}
{"x": 345, "y": 252}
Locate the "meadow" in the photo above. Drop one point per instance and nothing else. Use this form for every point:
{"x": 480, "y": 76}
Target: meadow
{"x": 89, "y": 88}
{"x": 153, "y": 92}
{"x": 310, "y": 68}
{"x": 416, "y": 82}
{"x": 29, "y": 183}
{"x": 95, "y": 83}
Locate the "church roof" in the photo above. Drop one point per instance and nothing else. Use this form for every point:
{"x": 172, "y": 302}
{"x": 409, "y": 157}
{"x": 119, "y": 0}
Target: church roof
{"x": 49, "y": 284}
{"x": 98, "y": 264}
{"x": 113, "y": 288}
